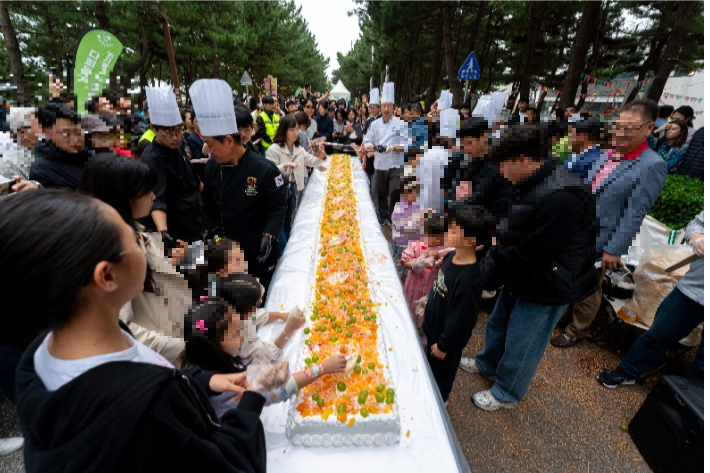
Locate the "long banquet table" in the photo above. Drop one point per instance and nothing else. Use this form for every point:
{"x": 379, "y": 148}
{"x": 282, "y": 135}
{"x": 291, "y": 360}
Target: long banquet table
{"x": 427, "y": 441}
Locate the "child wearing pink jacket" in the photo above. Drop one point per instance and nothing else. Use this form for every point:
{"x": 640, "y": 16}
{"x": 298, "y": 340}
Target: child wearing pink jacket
{"x": 423, "y": 259}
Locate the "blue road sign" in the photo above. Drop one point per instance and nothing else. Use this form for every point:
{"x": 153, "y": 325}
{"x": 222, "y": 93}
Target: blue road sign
{"x": 470, "y": 69}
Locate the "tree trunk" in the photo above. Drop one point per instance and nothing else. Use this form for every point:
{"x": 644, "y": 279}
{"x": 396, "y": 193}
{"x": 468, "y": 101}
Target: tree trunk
{"x": 436, "y": 64}
{"x": 145, "y": 50}
{"x": 486, "y": 58}
{"x": 14, "y": 54}
{"x": 451, "y": 69}
{"x": 653, "y": 55}
{"x": 578, "y": 54}
{"x": 101, "y": 14}
{"x": 670, "y": 56}
{"x": 534, "y": 18}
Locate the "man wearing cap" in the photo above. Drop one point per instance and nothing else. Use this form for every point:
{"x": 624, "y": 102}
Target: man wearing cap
{"x": 267, "y": 123}
{"x": 245, "y": 194}
{"x": 176, "y": 209}
{"x": 436, "y": 159}
{"x": 97, "y": 134}
{"x": 386, "y": 140}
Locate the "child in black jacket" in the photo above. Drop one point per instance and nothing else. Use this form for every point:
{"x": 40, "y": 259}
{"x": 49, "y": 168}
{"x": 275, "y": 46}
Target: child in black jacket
{"x": 455, "y": 299}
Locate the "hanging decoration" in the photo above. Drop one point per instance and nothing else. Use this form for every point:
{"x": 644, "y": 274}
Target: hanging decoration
{"x": 684, "y": 98}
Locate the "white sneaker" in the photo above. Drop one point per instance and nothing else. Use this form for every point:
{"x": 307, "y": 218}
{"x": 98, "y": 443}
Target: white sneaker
{"x": 487, "y": 402}
{"x": 469, "y": 365}
{"x": 10, "y": 445}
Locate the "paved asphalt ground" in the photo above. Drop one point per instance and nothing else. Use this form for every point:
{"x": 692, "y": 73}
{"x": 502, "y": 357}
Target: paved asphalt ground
{"x": 566, "y": 423}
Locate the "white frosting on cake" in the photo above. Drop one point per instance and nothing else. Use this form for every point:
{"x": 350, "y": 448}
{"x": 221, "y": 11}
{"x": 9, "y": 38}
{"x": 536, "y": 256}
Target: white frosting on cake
{"x": 314, "y": 431}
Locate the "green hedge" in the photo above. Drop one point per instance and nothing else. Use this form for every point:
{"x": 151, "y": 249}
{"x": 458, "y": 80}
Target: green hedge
{"x": 680, "y": 201}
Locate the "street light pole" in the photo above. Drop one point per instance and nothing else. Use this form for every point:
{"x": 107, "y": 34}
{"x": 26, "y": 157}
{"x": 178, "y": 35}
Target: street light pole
{"x": 169, "y": 46}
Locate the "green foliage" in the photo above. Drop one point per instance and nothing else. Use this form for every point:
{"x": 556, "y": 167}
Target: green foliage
{"x": 404, "y": 36}
{"x": 210, "y": 39}
{"x": 680, "y": 201}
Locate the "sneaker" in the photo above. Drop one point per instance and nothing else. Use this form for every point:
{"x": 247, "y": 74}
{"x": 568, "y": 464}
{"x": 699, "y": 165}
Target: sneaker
{"x": 565, "y": 340}
{"x": 487, "y": 402}
{"x": 9, "y": 445}
{"x": 469, "y": 365}
{"x": 612, "y": 378}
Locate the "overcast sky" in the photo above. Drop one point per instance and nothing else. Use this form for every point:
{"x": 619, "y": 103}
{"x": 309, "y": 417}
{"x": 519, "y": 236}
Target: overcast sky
{"x": 333, "y": 29}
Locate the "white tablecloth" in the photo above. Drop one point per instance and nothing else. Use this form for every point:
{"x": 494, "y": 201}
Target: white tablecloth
{"x": 432, "y": 445}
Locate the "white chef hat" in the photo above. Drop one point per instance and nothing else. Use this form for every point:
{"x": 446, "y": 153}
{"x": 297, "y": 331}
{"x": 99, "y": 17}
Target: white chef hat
{"x": 212, "y": 99}
{"x": 448, "y": 123}
{"x": 375, "y": 96}
{"x": 163, "y": 106}
{"x": 388, "y": 92}
{"x": 445, "y": 100}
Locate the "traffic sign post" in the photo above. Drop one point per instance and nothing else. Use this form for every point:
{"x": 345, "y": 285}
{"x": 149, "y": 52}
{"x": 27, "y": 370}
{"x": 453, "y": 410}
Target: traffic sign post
{"x": 246, "y": 81}
{"x": 470, "y": 69}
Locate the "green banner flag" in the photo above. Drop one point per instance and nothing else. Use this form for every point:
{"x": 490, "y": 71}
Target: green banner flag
{"x": 96, "y": 54}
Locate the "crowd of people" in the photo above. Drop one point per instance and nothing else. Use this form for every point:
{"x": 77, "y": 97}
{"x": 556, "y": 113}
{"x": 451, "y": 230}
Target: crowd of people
{"x": 143, "y": 244}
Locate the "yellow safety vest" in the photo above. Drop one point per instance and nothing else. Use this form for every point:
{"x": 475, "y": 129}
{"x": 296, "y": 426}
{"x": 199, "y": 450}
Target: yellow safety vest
{"x": 148, "y": 135}
{"x": 271, "y": 127}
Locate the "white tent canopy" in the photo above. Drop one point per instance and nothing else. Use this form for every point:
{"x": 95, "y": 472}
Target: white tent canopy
{"x": 339, "y": 92}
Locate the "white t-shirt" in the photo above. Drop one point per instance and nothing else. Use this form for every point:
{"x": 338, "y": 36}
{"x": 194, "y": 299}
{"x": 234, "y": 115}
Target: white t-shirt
{"x": 55, "y": 373}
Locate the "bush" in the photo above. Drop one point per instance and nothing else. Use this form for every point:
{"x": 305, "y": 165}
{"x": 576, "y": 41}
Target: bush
{"x": 680, "y": 201}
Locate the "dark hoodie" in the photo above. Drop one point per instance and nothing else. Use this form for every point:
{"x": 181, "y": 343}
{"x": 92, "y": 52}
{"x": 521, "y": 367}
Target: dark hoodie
{"x": 55, "y": 168}
{"x": 126, "y": 416}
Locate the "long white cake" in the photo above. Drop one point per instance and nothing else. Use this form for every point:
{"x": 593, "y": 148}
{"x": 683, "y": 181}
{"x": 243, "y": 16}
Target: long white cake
{"x": 357, "y": 407}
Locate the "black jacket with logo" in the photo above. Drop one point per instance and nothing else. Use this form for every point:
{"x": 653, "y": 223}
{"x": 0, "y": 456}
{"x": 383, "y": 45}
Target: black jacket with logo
{"x": 176, "y": 192}
{"x": 244, "y": 201}
{"x": 546, "y": 244}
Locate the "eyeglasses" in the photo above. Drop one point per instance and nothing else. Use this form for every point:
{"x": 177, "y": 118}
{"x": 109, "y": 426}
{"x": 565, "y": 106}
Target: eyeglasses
{"x": 142, "y": 243}
{"x": 71, "y": 133}
{"x": 309, "y": 106}
{"x": 629, "y": 129}
{"x": 174, "y": 132}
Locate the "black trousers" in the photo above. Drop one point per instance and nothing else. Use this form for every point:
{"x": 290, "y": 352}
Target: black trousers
{"x": 444, "y": 371}
{"x": 385, "y": 189}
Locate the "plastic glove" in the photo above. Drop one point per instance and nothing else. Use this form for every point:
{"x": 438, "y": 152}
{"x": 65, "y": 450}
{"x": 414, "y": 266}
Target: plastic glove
{"x": 295, "y": 320}
{"x": 420, "y": 306}
{"x": 264, "y": 249}
{"x": 698, "y": 245}
{"x": 263, "y": 378}
{"x": 334, "y": 364}
{"x": 421, "y": 263}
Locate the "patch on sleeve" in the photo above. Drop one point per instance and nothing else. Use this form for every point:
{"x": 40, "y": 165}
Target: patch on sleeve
{"x": 279, "y": 180}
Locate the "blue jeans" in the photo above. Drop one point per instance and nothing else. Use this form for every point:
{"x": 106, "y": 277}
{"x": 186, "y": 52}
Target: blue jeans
{"x": 517, "y": 335}
{"x": 676, "y": 317}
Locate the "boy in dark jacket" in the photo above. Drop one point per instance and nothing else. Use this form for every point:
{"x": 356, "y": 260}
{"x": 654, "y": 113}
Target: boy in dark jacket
{"x": 454, "y": 300}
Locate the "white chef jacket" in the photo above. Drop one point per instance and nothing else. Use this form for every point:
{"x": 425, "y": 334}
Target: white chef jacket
{"x": 393, "y": 133}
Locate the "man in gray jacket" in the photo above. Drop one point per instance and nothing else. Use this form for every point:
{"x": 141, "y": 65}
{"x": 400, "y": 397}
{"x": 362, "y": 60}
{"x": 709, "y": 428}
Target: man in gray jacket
{"x": 626, "y": 184}
{"x": 676, "y": 317}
